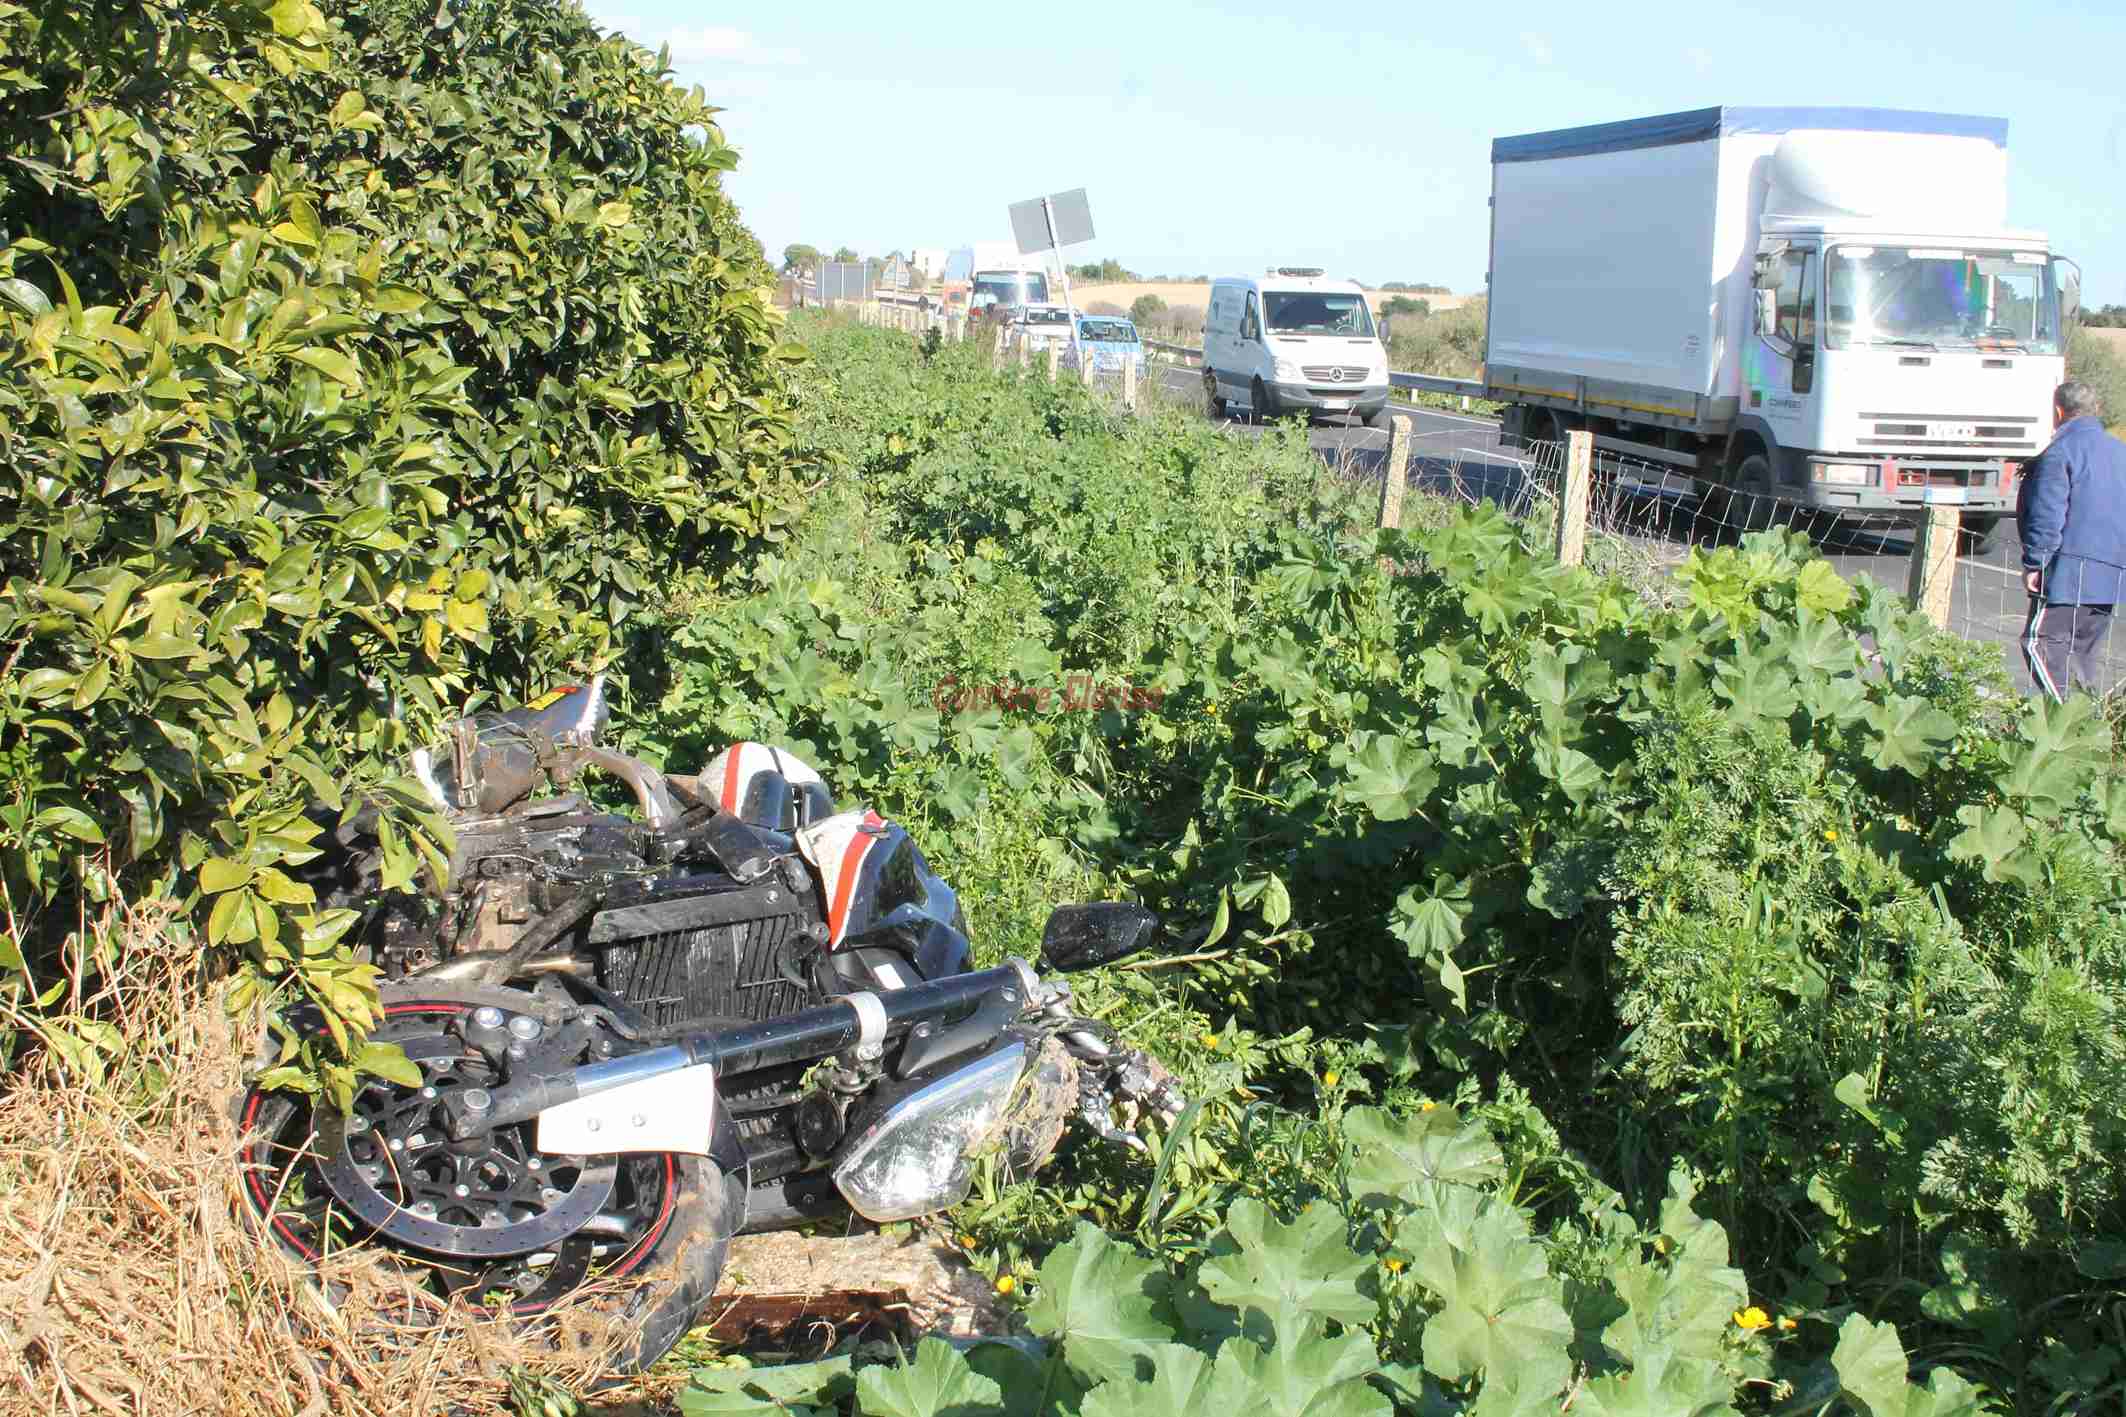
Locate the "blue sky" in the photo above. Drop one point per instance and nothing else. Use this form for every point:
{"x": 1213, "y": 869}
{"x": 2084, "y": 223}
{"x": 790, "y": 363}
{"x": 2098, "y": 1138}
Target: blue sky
{"x": 1215, "y": 139}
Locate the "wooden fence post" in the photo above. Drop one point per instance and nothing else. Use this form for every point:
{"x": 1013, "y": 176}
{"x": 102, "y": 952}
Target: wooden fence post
{"x": 1129, "y": 383}
{"x": 1572, "y": 497}
{"x": 1055, "y": 361}
{"x": 1085, "y": 366}
{"x": 1025, "y": 354}
{"x": 1396, "y": 474}
{"x": 1933, "y": 571}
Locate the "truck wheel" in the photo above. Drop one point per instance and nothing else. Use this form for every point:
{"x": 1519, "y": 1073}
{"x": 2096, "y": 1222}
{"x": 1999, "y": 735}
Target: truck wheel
{"x": 1262, "y": 401}
{"x": 1979, "y": 533}
{"x": 1210, "y": 395}
{"x": 1379, "y": 418}
{"x": 1754, "y": 504}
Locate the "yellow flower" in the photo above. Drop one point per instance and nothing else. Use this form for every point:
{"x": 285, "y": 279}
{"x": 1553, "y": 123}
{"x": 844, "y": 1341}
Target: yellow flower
{"x": 1428, "y": 1107}
{"x": 1210, "y": 710}
{"x": 1328, "y": 1079}
{"x": 1393, "y": 1266}
{"x": 1830, "y": 833}
{"x": 1787, "y": 1325}
{"x": 966, "y": 1242}
{"x": 1210, "y": 1040}
{"x": 1751, "y": 1319}
{"x": 1005, "y": 1284}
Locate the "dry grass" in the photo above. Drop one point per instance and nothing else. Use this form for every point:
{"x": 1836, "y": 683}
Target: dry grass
{"x": 131, "y": 1282}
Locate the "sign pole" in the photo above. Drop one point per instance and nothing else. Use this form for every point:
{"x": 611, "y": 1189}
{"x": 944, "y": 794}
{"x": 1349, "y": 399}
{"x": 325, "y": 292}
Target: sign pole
{"x": 1055, "y": 248}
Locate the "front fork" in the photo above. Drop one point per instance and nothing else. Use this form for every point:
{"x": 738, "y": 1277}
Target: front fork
{"x": 1112, "y": 1079}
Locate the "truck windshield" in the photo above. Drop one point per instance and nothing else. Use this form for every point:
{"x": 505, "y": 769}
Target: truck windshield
{"x": 1008, "y": 288}
{"x": 1308, "y": 312}
{"x": 1946, "y": 298}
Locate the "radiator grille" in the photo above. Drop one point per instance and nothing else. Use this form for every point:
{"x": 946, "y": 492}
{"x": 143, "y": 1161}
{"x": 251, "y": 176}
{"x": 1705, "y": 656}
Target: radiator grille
{"x": 719, "y": 971}
{"x": 1334, "y": 373}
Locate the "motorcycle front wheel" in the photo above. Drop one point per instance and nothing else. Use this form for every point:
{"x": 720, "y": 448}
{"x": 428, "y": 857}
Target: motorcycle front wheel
{"x": 491, "y": 1219}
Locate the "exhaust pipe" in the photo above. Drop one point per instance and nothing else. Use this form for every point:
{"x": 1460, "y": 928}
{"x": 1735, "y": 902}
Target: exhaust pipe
{"x": 859, "y": 1021}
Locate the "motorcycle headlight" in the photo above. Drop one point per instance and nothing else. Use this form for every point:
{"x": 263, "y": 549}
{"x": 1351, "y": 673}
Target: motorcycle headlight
{"x": 918, "y": 1156}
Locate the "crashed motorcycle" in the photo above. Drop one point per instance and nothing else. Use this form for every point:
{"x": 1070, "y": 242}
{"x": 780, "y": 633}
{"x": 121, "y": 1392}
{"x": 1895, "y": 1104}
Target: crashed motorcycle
{"x": 736, "y": 1008}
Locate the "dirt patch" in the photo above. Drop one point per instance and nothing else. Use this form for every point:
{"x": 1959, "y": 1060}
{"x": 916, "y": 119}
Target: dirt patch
{"x": 799, "y": 1292}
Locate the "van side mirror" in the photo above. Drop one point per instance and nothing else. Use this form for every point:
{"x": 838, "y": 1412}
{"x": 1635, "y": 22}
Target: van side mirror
{"x": 1767, "y": 312}
{"x": 1087, "y": 936}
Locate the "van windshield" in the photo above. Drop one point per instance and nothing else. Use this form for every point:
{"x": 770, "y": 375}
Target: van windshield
{"x": 1008, "y": 288}
{"x": 1311, "y": 312}
{"x": 1107, "y": 331}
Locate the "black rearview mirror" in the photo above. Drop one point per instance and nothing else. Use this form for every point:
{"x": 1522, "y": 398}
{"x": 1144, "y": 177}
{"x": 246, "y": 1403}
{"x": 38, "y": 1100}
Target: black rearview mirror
{"x": 1087, "y": 936}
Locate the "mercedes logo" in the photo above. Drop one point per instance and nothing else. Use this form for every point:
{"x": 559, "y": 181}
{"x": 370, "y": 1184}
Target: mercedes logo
{"x": 1336, "y": 376}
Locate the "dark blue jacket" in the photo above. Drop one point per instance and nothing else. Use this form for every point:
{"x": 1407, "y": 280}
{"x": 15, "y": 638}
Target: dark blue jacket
{"x": 2071, "y": 511}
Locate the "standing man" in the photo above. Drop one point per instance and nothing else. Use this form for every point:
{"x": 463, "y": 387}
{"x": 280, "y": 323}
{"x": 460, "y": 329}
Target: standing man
{"x": 2071, "y": 512}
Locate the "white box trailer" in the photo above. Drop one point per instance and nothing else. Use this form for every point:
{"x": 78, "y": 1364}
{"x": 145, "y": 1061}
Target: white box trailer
{"x": 1819, "y": 306}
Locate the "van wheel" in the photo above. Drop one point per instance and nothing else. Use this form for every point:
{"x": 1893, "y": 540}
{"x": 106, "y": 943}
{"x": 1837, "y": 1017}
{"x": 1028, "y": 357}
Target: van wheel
{"x": 1379, "y": 418}
{"x": 1210, "y": 395}
{"x": 1262, "y": 401}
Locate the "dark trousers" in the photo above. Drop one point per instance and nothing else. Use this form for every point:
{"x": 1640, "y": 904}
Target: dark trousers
{"x": 2060, "y": 644}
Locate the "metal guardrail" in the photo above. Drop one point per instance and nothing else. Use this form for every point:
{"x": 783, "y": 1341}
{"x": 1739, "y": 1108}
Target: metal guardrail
{"x": 1426, "y": 383}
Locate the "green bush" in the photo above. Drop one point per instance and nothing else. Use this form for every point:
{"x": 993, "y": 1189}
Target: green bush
{"x": 1776, "y": 885}
{"x": 2101, "y": 365}
{"x": 1146, "y": 308}
{"x": 360, "y": 364}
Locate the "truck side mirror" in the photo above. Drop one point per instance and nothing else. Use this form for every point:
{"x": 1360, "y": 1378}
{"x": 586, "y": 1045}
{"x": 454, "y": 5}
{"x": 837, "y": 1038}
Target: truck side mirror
{"x": 1767, "y": 312}
{"x": 2068, "y": 277}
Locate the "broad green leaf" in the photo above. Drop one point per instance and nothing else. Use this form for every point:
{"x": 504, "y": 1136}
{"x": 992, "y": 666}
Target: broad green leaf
{"x": 937, "y": 1384}
{"x": 1388, "y": 775}
{"x": 1430, "y": 924}
{"x": 1103, "y": 1302}
{"x": 1660, "y": 1384}
{"x": 1286, "y": 1280}
{"x": 1871, "y": 1366}
{"x": 1323, "y": 1377}
{"x": 1502, "y": 1314}
{"x": 1394, "y": 1159}
{"x": 1911, "y": 734}
{"x": 1995, "y": 837}
{"x": 1276, "y": 903}
{"x": 1183, "y": 1383}
{"x": 70, "y": 821}
{"x": 1820, "y": 588}
{"x": 796, "y": 1388}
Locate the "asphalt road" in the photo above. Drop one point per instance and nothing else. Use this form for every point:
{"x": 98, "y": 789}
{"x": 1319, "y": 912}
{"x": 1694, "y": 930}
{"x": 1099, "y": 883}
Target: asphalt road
{"x": 1461, "y": 456}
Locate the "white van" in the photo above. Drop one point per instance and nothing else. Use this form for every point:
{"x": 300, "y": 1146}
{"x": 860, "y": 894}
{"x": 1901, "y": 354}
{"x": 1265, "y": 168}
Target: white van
{"x": 1291, "y": 341}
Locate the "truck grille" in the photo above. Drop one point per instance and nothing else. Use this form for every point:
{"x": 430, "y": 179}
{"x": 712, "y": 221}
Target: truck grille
{"x": 1934, "y": 430}
{"x": 1333, "y": 373}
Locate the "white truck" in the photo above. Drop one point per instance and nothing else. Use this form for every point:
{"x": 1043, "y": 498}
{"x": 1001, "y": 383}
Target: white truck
{"x": 997, "y": 279}
{"x": 1813, "y": 307}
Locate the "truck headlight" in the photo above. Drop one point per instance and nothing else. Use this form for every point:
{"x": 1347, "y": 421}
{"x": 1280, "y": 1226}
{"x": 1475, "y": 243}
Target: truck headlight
{"x": 1285, "y": 369}
{"x": 918, "y": 1157}
{"x": 1842, "y": 474}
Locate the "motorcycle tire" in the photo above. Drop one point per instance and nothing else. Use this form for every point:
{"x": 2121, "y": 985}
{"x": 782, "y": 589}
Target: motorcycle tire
{"x": 683, "y": 1208}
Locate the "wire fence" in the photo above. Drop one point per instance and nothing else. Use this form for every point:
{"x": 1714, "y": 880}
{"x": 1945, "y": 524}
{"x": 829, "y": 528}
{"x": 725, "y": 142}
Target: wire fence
{"x": 1640, "y": 520}
{"x": 1643, "y": 519}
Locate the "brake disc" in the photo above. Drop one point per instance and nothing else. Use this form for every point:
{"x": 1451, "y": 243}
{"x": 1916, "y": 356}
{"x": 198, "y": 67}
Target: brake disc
{"x": 392, "y": 1162}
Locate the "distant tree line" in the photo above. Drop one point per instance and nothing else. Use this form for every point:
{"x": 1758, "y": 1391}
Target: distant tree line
{"x": 2111, "y": 317}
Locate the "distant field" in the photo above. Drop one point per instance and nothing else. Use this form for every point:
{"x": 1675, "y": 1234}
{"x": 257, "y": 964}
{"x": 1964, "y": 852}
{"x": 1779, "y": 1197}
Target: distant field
{"x": 1176, "y": 293}
{"x": 2115, "y": 338}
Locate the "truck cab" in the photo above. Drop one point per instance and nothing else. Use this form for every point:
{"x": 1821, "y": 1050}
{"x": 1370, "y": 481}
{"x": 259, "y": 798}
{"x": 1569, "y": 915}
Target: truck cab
{"x": 1892, "y": 368}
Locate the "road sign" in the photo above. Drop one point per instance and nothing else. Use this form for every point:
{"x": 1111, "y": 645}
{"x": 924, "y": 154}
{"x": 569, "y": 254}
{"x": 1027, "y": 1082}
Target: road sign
{"x": 1045, "y": 223}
